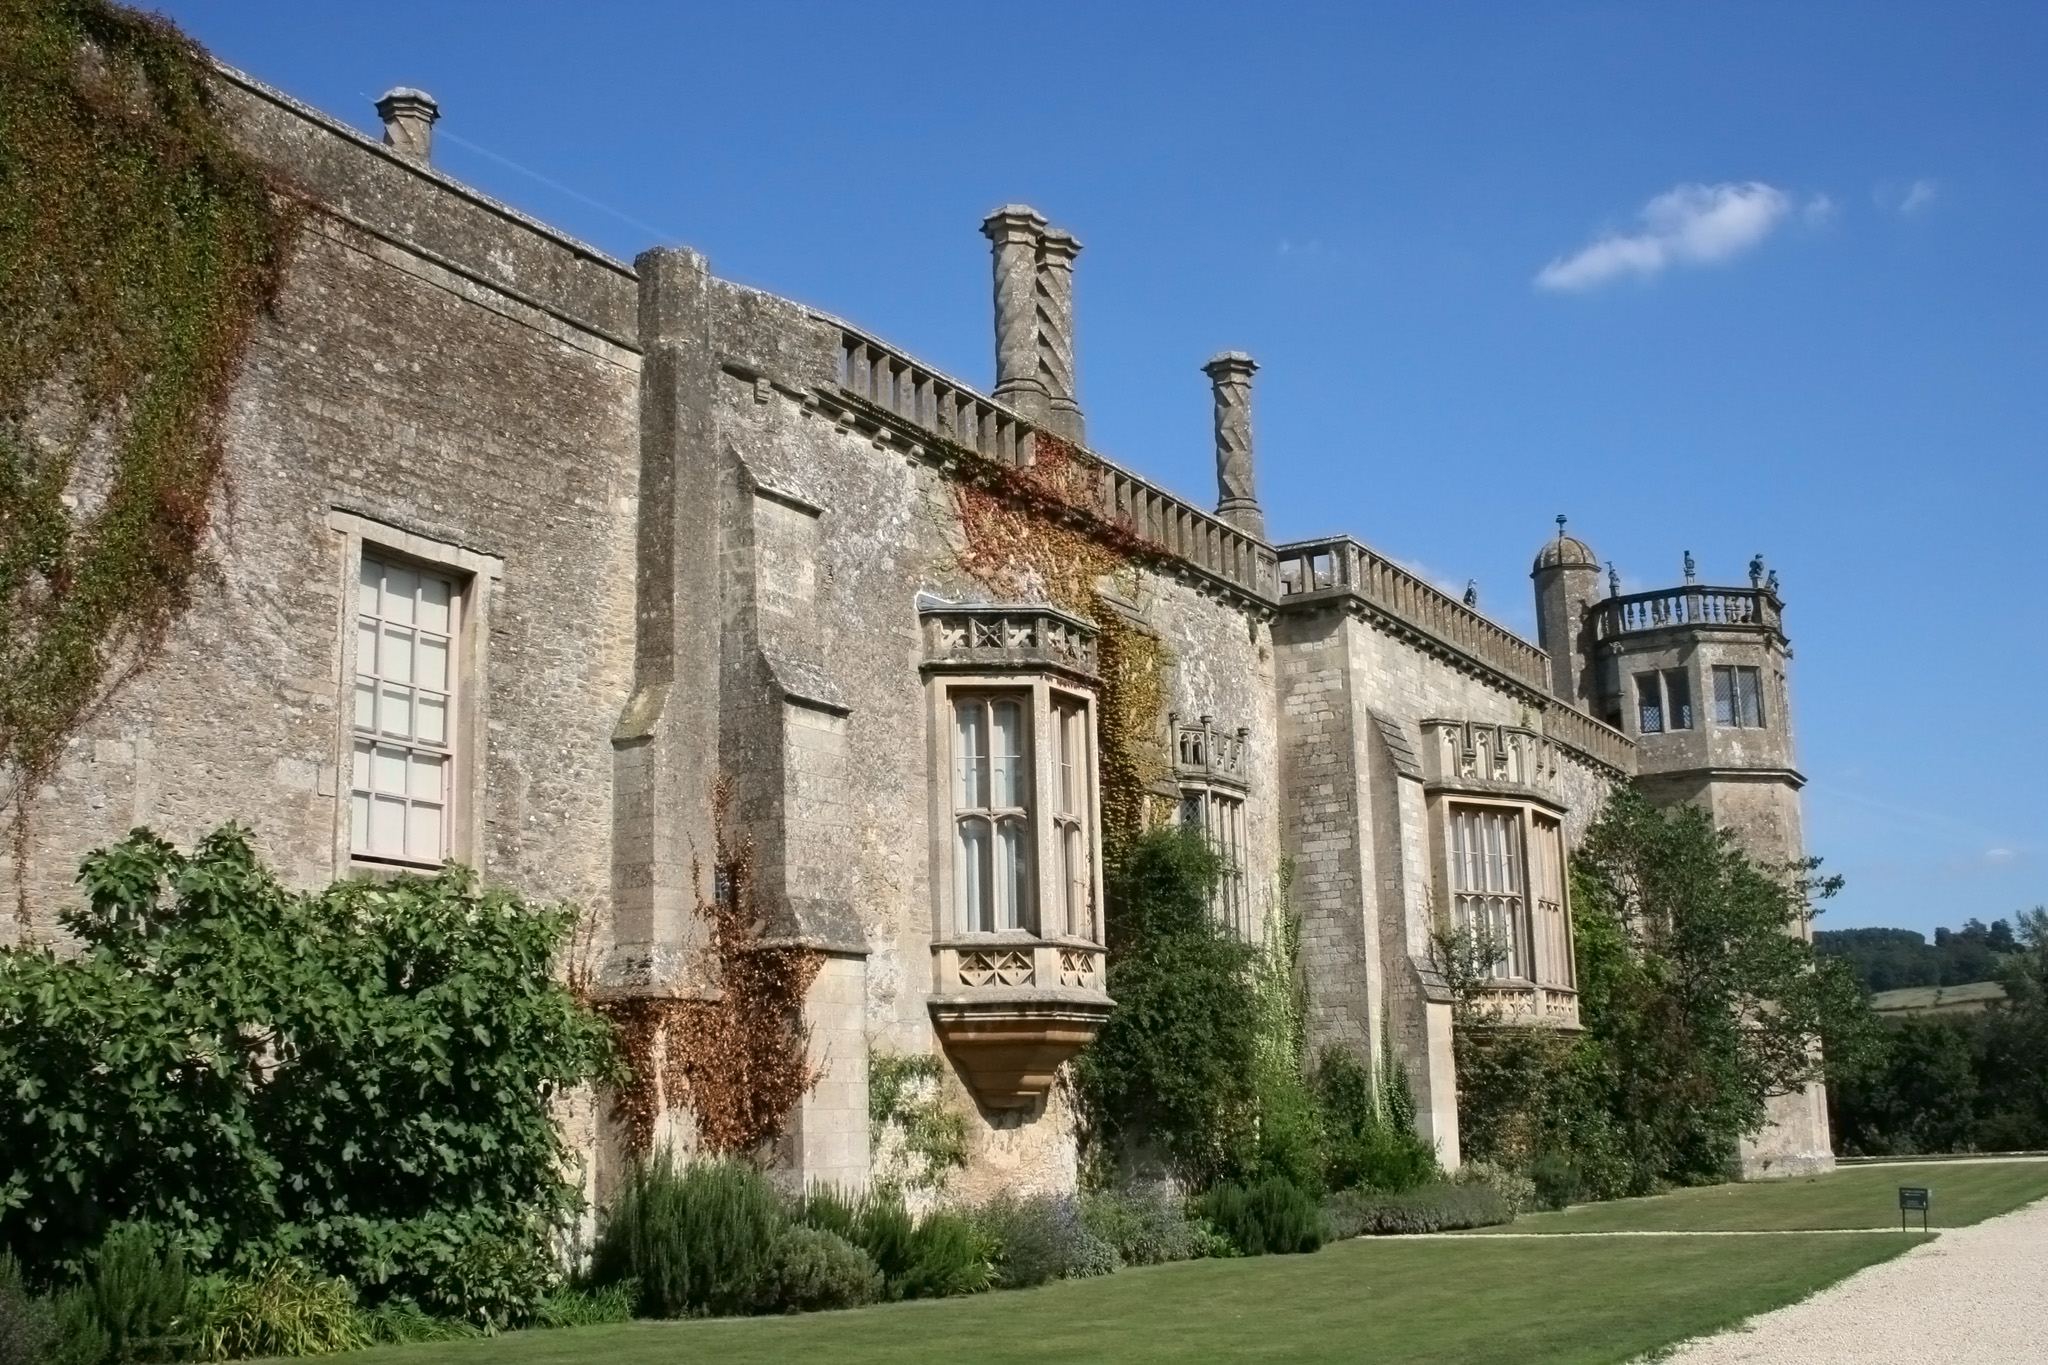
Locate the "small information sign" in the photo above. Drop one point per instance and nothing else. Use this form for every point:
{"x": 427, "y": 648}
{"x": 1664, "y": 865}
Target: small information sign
{"x": 1914, "y": 1199}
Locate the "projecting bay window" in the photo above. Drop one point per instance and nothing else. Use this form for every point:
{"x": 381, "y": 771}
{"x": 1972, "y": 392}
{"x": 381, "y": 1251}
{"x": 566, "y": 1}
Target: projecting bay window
{"x": 1022, "y": 842}
{"x": 404, "y": 750}
{"x": 1663, "y": 701}
{"x": 1738, "y": 698}
{"x": 1487, "y": 889}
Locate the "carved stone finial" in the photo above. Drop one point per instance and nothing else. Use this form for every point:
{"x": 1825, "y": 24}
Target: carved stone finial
{"x": 1230, "y": 375}
{"x": 1560, "y": 526}
{"x": 1613, "y": 580}
{"x": 1756, "y": 571}
{"x": 1472, "y": 588}
{"x": 1771, "y": 583}
{"x": 1055, "y": 284}
{"x": 1691, "y": 575}
{"x": 409, "y": 117}
{"x": 1015, "y": 231}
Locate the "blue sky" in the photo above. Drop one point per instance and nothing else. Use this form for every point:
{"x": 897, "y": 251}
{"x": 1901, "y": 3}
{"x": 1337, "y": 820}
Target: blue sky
{"x": 1732, "y": 278}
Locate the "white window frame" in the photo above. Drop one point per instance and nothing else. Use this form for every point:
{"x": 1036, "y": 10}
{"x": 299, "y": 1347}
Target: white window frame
{"x": 475, "y": 577}
{"x": 1051, "y": 823}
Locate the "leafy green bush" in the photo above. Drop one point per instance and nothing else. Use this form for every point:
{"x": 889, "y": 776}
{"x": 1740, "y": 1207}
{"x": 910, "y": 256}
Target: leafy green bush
{"x": 949, "y": 1255}
{"x": 1518, "y": 1191}
{"x": 1557, "y": 1179}
{"x": 1173, "y": 1069}
{"x": 1041, "y": 1238}
{"x": 284, "y": 1310}
{"x": 1440, "y": 1207}
{"x": 394, "y": 1046}
{"x": 1145, "y": 1226}
{"x": 696, "y": 1240}
{"x": 588, "y": 1307}
{"x": 1369, "y": 1135}
{"x": 941, "y": 1256}
{"x": 815, "y": 1270}
{"x": 1273, "y": 1217}
{"x": 28, "y": 1330}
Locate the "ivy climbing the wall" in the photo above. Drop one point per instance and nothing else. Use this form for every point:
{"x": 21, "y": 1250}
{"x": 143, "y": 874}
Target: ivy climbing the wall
{"x": 1026, "y": 535}
{"x": 738, "y": 1061}
{"x": 137, "y": 247}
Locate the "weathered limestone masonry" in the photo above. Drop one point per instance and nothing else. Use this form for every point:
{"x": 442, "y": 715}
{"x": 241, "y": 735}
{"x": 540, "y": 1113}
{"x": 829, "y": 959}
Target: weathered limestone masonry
{"x": 528, "y": 550}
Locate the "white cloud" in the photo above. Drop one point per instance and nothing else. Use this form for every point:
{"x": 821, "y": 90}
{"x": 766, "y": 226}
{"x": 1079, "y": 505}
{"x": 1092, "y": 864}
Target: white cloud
{"x": 1687, "y": 225}
{"x": 1918, "y": 196}
{"x": 1819, "y": 211}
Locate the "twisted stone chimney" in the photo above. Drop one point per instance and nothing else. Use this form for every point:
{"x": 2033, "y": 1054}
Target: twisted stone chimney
{"x": 1034, "y": 294}
{"x": 1015, "y": 231}
{"x": 1237, "y": 502}
{"x": 409, "y": 116}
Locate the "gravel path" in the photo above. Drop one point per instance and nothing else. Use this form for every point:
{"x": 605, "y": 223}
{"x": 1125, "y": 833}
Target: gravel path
{"x": 1974, "y": 1294}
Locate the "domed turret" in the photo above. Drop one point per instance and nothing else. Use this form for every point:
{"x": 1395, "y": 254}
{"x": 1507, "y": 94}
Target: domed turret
{"x": 1567, "y": 575}
{"x": 1565, "y": 552}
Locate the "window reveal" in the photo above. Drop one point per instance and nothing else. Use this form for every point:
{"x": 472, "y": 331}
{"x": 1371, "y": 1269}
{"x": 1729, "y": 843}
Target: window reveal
{"x": 1486, "y": 884}
{"x": 992, "y": 815}
{"x": 403, "y": 763}
{"x": 1738, "y": 698}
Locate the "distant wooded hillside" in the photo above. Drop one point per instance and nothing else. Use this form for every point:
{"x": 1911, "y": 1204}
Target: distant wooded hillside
{"x": 1889, "y": 959}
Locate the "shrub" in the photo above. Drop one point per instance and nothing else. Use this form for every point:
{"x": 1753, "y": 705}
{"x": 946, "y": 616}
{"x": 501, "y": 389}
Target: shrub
{"x": 1518, "y": 1191}
{"x": 400, "y": 1320}
{"x": 1173, "y": 1070}
{"x": 28, "y": 1331}
{"x": 285, "y": 1310}
{"x": 1369, "y": 1136}
{"x": 393, "y": 1045}
{"x": 1441, "y": 1207}
{"x": 1272, "y": 1217}
{"x": 137, "y": 1291}
{"x": 941, "y": 1256}
{"x": 948, "y": 1255}
{"x": 1145, "y": 1226}
{"x": 1557, "y": 1180}
{"x": 1040, "y": 1238}
{"x": 588, "y": 1307}
{"x": 816, "y": 1270}
{"x": 697, "y": 1240}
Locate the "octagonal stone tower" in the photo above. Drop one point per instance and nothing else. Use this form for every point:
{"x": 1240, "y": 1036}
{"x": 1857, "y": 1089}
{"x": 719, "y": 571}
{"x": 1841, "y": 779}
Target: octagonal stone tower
{"x": 1696, "y": 675}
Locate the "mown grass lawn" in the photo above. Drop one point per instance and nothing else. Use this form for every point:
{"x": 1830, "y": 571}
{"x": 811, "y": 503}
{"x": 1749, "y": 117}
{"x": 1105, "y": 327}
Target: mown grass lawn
{"x": 1852, "y": 1197}
{"x": 1465, "y": 1300}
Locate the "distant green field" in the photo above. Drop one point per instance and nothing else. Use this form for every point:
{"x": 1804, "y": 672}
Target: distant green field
{"x": 1437, "y": 1301}
{"x": 1852, "y": 1197}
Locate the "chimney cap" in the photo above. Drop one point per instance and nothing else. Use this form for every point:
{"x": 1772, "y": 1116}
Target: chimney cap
{"x": 1016, "y": 222}
{"x": 1227, "y": 361}
{"x": 1059, "y": 242}
{"x": 404, "y": 99}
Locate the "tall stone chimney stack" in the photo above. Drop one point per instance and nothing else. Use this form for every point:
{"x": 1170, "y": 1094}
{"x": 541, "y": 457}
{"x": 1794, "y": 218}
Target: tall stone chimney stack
{"x": 1056, "y": 253}
{"x": 1237, "y": 501}
{"x": 1016, "y": 232}
{"x": 409, "y": 116}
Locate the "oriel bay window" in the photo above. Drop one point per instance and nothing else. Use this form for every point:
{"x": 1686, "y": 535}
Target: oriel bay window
{"x": 1017, "y": 957}
{"x": 1487, "y": 896}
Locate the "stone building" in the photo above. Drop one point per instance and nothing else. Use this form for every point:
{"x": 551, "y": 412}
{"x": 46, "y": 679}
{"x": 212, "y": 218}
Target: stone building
{"x": 528, "y": 550}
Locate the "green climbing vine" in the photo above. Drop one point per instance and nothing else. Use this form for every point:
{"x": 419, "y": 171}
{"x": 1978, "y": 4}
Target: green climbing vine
{"x": 1025, "y": 531}
{"x": 137, "y": 247}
